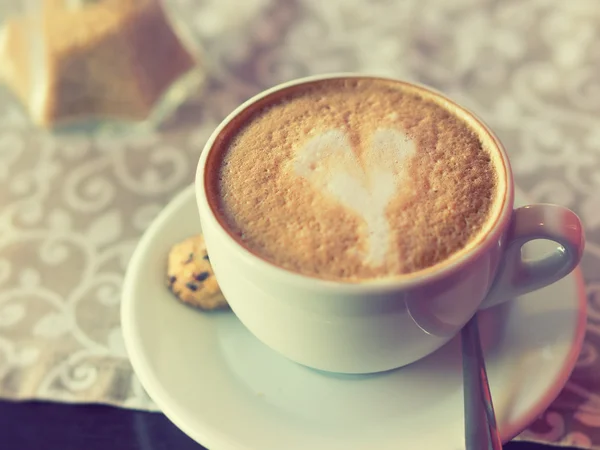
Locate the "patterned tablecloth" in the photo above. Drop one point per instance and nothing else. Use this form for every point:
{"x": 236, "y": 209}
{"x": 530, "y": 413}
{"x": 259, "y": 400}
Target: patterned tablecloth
{"x": 72, "y": 208}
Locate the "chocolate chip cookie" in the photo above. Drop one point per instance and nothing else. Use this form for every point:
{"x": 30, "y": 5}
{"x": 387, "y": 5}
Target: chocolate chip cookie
{"x": 190, "y": 276}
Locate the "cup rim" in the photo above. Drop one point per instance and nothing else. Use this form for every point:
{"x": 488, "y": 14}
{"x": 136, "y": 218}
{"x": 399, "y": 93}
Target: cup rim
{"x": 452, "y": 265}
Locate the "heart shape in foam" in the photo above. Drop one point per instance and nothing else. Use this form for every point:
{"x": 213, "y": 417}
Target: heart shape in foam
{"x": 363, "y": 184}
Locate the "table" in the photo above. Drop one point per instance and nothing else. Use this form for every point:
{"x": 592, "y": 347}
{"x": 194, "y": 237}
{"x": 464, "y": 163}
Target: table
{"x": 51, "y": 426}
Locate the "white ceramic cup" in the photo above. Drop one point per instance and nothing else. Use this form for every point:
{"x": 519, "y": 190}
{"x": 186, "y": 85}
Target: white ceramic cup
{"x": 380, "y": 325}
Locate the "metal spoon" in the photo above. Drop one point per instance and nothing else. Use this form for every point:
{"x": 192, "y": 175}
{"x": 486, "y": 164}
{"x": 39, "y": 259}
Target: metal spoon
{"x": 481, "y": 431}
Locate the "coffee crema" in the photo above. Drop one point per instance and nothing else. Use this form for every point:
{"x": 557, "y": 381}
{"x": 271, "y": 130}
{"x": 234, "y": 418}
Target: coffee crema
{"x": 353, "y": 179}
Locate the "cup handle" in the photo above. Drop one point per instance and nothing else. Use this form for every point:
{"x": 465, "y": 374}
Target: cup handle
{"x": 517, "y": 276}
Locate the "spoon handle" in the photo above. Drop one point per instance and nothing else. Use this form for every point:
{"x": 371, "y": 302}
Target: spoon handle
{"x": 481, "y": 431}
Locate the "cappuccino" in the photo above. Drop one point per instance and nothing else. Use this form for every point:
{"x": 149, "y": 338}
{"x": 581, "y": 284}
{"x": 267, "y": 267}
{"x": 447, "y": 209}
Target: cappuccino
{"x": 353, "y": 179}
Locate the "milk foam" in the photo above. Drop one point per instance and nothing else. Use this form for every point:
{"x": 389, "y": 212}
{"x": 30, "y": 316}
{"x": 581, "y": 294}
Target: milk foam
{"x": 364, "y": 183}
{"x": 354, "y": 179}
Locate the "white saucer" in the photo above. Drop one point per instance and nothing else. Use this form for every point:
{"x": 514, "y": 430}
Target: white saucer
{"x": 228, "y": 391}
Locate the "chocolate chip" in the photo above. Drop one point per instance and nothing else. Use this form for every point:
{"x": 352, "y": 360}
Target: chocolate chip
{"x": 191, "y": 287}
{"x": 206, "y": 257}
{"x": 190, "y": 258}
{"x": 202, "y": 276}
{"x": 172, "y": 279}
